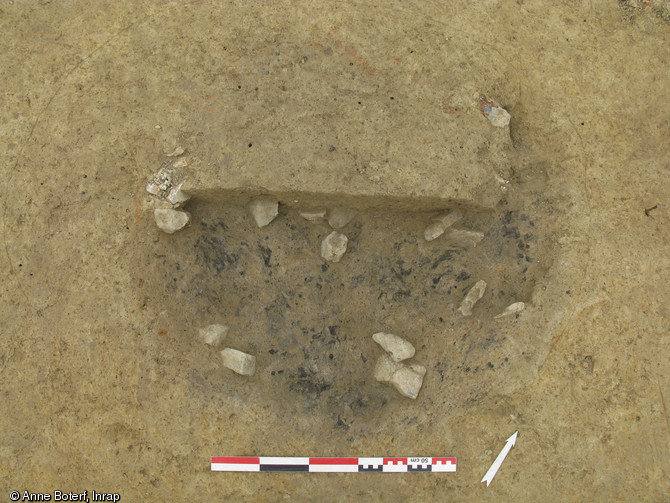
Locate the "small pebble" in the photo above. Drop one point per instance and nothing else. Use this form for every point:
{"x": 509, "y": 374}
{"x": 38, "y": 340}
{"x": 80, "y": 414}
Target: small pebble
{"x": 408, "y": 380}
{"x": 517, "y": 307}
{"x": 339, "y": 217}
{"x": 213, "y": 334}
{"x": 264, "y": 210}
{"x": 475, "y": 293}
{"x": 334, "y": 246}
{"x": 180, "y": 163}
{"x": 498, "y": 116}
{"x": 239, "y": 362}
{"x": 385, "y": 368}
{"x": 176, "y": 152}
{"x": 170, "y": 221}
{"x": 465, "y": 238}
{"x": 313, "y": 216}
{"x": 397, "y": 347}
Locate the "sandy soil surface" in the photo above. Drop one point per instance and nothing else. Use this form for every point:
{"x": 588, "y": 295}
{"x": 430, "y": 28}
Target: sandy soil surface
{"x": 104, "y": 383}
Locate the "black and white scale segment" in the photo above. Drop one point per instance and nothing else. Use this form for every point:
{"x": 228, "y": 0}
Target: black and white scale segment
{"x": 332, "y": 465}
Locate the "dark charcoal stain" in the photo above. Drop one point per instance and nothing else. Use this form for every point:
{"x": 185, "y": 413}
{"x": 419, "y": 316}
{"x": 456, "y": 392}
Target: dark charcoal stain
{"x": 400, "y": 272}
{"x": 341, "y": 424}
{"x": 511, "y": 231}
{"x": 333, "y": 329}
{"x": 266, "y": 253}
{"x": 213, "y": 253}
{"x": 213, "y": 227}
{"x": 404, "y": 272}
{"x": 401, "y": 294}
{"x": 462, "y": 276}
{"x": 441, "y": 367}
{"x": 358, "y": 279}
{"x": 309, "y": 382}
{"x": 447, "y": 255}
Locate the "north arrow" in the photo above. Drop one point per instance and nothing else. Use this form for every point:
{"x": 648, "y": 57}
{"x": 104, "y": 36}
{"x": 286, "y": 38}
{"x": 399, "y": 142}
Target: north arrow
{"x": 501, "y": 457}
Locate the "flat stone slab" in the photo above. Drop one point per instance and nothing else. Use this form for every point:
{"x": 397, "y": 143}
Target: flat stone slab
{"x": 331, "y": 118}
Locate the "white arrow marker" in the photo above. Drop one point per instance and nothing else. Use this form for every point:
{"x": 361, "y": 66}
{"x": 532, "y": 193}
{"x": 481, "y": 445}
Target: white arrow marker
{"x": 488, "y": 478}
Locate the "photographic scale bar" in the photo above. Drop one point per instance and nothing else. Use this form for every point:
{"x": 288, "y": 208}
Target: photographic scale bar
{"x": 331, "y": 465}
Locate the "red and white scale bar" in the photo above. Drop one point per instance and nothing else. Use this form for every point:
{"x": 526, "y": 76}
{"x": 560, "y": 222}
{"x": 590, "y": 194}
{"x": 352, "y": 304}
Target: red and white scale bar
{"x": 331, "y": 465}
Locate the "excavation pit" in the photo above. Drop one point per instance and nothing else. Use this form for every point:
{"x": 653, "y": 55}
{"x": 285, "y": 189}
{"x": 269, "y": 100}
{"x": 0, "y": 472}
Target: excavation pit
{"x": 309, "y": 322}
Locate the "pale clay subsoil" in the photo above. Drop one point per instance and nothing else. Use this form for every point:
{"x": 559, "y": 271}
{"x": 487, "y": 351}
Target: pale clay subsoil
{"x": 104, "y": 384}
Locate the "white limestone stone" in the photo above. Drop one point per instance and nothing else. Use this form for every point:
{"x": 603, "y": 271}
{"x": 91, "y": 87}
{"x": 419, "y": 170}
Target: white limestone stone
{"x": 313, "y": 216}
{"x": 465, "y": 238}
{"x": 475, "y": 293}
{"x": 334, "y": 246}
{"x": 213, "y": 334}
{"x": 166, "y": 186}
{"x": 408, "y": 380}
{"x": 177, "y": 197}
{"x": 264, "y": 210}
{"x": 339, "y": 217}
{"x": 441, "y": 223}
{"x": 385, "y": 368}
{"x": 161, "y": 182}
{"x": 419, "y": 369}
{"x": 397, "y": 347}
{"x": 239, "y": 362}
{"x": 517, "y": 307}
{"x": 170, "y": 221}
{"x": 449, "y": 219}
{"x": 433, "y": 231}
{"x": 498, "y": 116}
